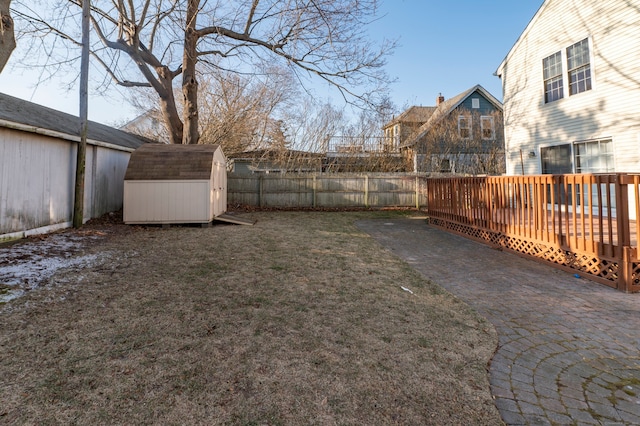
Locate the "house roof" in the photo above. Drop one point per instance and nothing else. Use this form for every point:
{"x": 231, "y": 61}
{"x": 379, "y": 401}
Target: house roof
{"x": 26, "y": 116}
{"x": 172, "y": 162}
{"x": 522, "y": 37}
{"x": 415, "y": 114}
{"x": 446, "y": 107}
{"x": 267, "y": 154}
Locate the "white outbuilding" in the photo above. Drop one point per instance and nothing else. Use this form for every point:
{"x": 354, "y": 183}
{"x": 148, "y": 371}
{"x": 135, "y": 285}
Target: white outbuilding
{"x": 38, "y": 158}
{"x": 171, "y": 184}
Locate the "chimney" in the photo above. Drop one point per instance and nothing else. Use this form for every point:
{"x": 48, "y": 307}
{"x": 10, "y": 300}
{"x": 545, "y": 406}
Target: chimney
{"x": 440, "y": 99}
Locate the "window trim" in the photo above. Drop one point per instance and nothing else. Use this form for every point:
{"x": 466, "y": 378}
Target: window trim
{"x": 548, "y": 80}
{"x": 468, "y": 119}
{"x": 609, "y": 154}
{"x": 573, "y": 146}
{"x": 586, "y": 66}
{"x": 492, "y": 127}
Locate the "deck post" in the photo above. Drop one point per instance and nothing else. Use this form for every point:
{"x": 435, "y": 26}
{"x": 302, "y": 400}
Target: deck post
{"x": 624, "y": 233}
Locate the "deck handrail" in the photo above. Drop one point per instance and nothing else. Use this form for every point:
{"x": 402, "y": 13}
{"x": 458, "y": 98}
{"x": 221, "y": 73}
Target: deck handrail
{"x": 582, "y": 222}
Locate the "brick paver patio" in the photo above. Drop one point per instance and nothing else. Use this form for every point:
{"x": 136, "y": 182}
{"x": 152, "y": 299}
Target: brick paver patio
{"x": 569, "y": 349}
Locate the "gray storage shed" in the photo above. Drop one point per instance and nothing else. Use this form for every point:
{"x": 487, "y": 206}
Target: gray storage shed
{"x": 167, "y": 184}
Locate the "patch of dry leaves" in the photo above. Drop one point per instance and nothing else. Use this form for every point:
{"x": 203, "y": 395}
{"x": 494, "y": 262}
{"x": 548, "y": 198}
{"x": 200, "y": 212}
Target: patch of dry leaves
{"x": 299, "y": 319}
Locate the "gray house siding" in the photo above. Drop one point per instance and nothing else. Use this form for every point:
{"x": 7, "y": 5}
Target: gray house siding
{"x": 485, "y": 107}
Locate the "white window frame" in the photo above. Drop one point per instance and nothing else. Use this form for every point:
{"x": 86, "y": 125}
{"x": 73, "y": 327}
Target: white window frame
{"x": 588, "y": 82}
{"x": 575, "y": 155}
{"x": 551, "y": 78}
{"x": 587, "y": 158}
{"x": 492, "y": 127}
{"x": 396, "y": 136}
{"x": 475, "y": 103}
{"x": 464, "y": 119}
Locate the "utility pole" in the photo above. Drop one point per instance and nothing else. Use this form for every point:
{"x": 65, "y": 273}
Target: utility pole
{"x": 78, "y": 202}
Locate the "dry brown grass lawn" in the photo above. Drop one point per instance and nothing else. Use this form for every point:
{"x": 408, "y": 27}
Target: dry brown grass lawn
{"x": 298, "y": 320}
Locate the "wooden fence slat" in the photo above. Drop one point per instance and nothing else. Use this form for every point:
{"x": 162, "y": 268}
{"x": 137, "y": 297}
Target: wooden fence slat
{"x": 327, "y": 190}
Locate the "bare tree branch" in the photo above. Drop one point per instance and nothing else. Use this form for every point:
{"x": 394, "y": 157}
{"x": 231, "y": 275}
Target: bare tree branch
{"x": 151, "y": 42}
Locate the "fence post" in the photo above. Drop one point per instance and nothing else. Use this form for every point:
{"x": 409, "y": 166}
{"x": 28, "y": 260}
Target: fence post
{"x": 315, "y": 191}
{"x": 366, "y": 191}
{"x": 260, "y": 191}
{"x": 417, "y": 193}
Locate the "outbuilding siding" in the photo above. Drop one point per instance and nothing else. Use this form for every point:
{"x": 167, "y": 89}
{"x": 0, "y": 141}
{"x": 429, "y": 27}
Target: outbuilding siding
{"x": 37, "y": 178}
{"x": 38, "y": 166}
{"x": 608, "y": 110}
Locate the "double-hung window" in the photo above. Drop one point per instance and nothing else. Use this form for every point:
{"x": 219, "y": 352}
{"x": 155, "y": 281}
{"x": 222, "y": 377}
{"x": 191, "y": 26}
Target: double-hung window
{"x": 464, "y": 126}
{"x": 579, "y": 67}
{"x": 578, "y": 72}
{"x": 552, "y": 71}
{"x": 488, "y": 128}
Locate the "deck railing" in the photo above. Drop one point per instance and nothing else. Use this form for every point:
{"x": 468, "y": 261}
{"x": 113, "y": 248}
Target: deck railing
{"x": 583, "y": 223}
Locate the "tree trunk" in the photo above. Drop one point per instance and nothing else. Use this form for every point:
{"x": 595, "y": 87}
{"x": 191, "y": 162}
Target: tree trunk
{"x": 168, "y": 106}
{"x": 7, "y": 38}
{"x": 189, "y": 81}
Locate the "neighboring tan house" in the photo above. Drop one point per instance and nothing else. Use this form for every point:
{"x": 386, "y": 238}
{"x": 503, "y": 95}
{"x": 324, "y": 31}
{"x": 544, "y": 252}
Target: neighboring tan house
{"x": 149, "y": 125}
{"x": 571, "y": 86}
{"x": 406, "y": 124}
{"x": 265, "y": 161}
{"x": 462, "y": 135}
{"x": 38, "y": 166}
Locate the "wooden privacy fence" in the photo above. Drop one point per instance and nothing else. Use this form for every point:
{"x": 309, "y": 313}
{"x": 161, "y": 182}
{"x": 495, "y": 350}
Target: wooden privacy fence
{"x": 327, "y": 190}
{"x": 583, "y": 223}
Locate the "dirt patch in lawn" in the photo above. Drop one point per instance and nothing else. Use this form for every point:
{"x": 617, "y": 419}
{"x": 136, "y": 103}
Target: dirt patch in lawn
{"x": 299, "y": 319}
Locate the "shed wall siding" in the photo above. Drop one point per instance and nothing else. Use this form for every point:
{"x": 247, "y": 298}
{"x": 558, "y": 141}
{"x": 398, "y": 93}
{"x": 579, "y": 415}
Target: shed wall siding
{"x": 218, "y": 188}
{"x": 37, "y": 175}
{"x": 108, "y": 178}
{"x": 167, "y": 202}
{"x": 608, "y": 110}
{"x": 36, "y": 181}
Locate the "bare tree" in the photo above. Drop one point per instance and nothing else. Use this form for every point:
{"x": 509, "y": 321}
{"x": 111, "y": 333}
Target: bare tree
{"x": 238, "y": 112}
{"x": 241, "y": 112}
{"x": 165, "y": 39}
{"x": 7, "y": 37}
{"x": 311, "y": 125}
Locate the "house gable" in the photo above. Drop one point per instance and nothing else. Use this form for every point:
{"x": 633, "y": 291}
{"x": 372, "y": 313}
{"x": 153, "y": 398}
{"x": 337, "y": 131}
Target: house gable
{"x": 486, "y": 103}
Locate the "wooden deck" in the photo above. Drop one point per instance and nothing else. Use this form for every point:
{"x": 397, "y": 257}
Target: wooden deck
{"x": 587, "y": 217}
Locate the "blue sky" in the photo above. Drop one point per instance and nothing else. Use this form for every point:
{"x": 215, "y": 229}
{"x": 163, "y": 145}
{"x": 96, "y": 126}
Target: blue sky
{"x": 450, "y": 46}
{"x": 444, "y": 47}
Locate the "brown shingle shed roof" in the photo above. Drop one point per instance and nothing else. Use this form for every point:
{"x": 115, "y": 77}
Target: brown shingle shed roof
{"x": 171, "y": 162}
